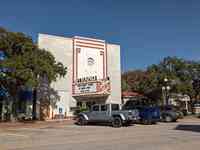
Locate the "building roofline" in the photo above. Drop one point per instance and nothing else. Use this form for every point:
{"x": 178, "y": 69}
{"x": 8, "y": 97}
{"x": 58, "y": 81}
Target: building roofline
{"x": 79, "y": 37}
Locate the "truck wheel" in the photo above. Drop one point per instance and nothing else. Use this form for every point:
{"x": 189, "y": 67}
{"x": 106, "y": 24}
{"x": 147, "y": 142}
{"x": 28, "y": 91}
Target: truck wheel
{"x": 82, "y": 121}
{"x": 168, "y": 118}
{"x": 117, "y": 122}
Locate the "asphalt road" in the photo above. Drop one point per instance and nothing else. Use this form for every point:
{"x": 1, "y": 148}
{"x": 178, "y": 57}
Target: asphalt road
{"x": 183, "y": 135}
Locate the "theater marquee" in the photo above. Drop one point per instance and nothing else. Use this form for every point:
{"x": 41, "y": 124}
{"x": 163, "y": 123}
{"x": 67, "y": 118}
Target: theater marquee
{"x": 86, "y": 88}
{"x": 89, "y": 64}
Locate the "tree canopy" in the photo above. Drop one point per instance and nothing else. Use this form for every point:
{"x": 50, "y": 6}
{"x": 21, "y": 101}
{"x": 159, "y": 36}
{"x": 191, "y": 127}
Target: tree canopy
{"x": 181, "y": 74}
{"x": 26, "y": 61}
{"x": 25, "y": 64}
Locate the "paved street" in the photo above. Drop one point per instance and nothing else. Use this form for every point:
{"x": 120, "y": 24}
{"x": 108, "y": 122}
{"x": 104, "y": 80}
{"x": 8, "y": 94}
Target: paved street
{"x": 183, "y": 135}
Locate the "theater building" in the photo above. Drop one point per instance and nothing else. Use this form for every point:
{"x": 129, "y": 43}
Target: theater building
{"x": 93, "y": 72}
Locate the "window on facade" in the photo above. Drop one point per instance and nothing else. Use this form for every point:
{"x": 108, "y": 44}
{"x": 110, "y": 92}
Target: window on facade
{"x": 60, "y": 110}
{"x": 96, "y": 108}
{"x": 103, "y": 107}
{"x": 114, "y": 107}
{"x": 79, "y": 104}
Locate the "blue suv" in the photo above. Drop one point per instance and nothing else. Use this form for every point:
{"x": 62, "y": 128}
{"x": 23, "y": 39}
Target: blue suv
{"x": 148, "y": 114}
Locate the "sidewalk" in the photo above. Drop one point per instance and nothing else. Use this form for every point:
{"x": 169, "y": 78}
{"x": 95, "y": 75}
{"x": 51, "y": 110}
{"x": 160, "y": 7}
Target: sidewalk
{"x": 35, "y": 124}
{"x": 190, "y": 118}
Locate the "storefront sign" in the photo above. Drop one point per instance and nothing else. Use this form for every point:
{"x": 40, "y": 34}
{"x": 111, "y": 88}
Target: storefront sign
{"x": 85, "y": 79}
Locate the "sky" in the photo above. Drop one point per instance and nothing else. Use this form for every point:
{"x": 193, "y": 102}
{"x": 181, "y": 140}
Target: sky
{"x": 147, "y": 30}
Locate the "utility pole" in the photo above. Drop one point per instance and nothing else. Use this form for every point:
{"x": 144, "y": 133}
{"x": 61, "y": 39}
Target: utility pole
{"x": 165, "y": 91}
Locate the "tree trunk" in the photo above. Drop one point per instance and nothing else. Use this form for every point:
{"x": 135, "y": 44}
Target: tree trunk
{"x": 34, "y": 112}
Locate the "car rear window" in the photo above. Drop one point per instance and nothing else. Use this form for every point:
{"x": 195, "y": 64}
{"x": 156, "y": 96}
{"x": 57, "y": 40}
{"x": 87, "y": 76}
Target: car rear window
{"x": 129, "y": 105}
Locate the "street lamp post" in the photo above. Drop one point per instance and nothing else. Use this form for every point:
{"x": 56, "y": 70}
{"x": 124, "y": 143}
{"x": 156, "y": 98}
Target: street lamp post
{"x": 165, "y": 91}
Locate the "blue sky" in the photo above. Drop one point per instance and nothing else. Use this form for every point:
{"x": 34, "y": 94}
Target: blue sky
{"x": 147, "y": 30}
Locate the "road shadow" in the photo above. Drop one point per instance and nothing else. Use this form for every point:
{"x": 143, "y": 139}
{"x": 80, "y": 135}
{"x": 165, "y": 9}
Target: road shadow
{"x": 193, "y": 128}
{"x": 103, "y": 124}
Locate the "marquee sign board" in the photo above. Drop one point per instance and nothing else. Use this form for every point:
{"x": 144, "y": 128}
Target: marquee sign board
{"x": 100, "y": 87}
{"x": 86, "y": 88}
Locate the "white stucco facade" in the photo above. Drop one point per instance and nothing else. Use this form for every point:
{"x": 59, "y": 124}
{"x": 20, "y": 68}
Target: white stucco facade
{"x": 91, "y": 63}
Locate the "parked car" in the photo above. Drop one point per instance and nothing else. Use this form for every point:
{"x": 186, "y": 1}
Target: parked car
{"x": 24, "y": 117}
{"x": 181, "y": 112}
{"x": 108, "y": 113}
{"x": 148, "y": 114}
{"x": 196, "y": 109}
{"x": 169, "y": 113}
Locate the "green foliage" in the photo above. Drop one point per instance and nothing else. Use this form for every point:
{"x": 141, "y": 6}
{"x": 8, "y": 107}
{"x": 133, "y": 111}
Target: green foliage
{"x": 27, "y": 65}
{"x": 180, "y": 73}
{"x": 125, "y": 86}
{"x": 27, "y": 62}
{"x": 83, "y": 109}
